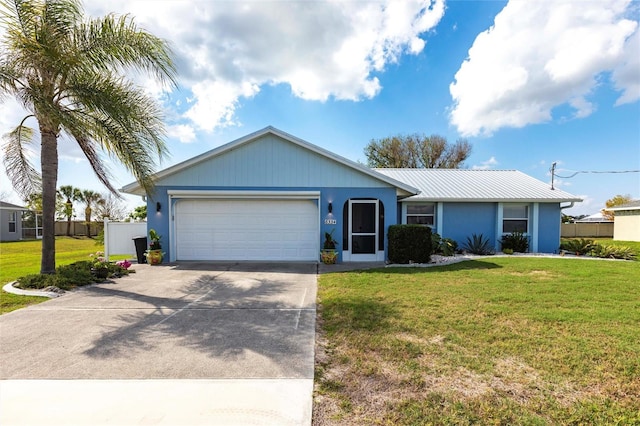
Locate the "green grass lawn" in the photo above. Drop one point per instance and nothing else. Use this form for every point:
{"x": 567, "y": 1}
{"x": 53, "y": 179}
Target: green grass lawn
{"x": 19, "y": 258}
{"x": 491, "y": 341}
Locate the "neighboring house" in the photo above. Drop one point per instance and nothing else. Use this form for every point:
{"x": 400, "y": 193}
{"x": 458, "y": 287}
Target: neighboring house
{"x": 626, "y": 222}
{"x": 595, "y": 218}
{"x": 11, "y": 221}
{"x": 272, "y": 196}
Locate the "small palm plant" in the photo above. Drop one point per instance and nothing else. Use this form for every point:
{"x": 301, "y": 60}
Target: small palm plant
{"x": 478, "y": 244}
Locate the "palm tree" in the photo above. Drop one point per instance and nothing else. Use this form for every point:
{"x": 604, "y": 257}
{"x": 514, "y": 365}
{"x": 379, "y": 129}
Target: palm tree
{"x": 90, "y": 198}
{"x": 67, "y": 71}
{"x": 69, "y": 194}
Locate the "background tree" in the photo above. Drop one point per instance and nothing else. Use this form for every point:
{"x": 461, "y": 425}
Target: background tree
{"x": 417, "y": 151}
{"x": 139, "y": 213}
{"x": 90, "y": 199}
{"x": 68, "y": 72}
{"x": 67, "y": 195}
{"x": 618, "y": 200}
{"x": 111, "y": 207}
{"x": 34, "y": 201}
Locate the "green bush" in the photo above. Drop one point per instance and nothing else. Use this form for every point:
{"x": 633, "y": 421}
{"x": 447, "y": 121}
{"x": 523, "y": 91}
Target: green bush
{"x": 591, "y": 248}
{"x": 443, "y": 246}
{"x": 409, "y": 244}
{"x": 612, "y": 252}
{"x": 69, "y": 276}
{"x": 578, "y": 246}
{"x": 516, "y": 241}
{"x": 478, "y": 244}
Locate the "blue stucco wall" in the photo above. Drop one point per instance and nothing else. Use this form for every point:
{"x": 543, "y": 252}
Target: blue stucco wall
{"x": 160, "y": 221}
{"x": 461, "y": 220}
{"x": 549, "y": 217}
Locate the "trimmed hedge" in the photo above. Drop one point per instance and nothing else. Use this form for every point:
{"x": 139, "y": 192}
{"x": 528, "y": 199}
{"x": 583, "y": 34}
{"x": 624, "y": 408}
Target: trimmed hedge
{"x": 409, "y": 244}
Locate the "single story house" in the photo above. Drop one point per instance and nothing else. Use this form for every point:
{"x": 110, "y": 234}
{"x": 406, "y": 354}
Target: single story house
{"x": 595, "y": 218}
{"x": 271, "y": 196}
{"x": 626, "y": 221}
{"x": 11, "y": 221}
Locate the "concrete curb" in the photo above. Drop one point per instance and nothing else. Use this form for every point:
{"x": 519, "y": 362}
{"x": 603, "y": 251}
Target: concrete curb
{"x": 9, "y": 288}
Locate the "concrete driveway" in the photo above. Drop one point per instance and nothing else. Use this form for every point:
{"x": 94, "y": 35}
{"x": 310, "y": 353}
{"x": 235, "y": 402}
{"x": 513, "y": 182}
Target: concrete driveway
{"x": 241, "y": 334}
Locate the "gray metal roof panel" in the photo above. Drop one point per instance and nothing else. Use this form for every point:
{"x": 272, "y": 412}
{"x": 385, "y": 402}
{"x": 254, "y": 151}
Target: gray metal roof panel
{"x": 476, "y": 185}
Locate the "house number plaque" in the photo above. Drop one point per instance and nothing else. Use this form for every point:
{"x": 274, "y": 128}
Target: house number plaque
{"x": 330, "y": 221}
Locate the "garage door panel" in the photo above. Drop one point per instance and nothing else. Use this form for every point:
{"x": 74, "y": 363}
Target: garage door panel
{"x": 247, "y": 230}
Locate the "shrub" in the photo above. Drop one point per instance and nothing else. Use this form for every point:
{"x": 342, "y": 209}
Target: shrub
{"x": 69, "y": 276}
{"x": 612, "y": 252}
{"x": 443, "y": 246}
{"x": 409, "y": 244}
{"x": 591, "y": 248}
{"x": 516, "y": 241}
{"x": 579, "y": 247}
{"x": 478, "y": 244}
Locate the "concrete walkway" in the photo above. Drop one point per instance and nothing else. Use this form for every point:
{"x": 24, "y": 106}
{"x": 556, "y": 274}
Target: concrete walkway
{"x": 197, "y": 343}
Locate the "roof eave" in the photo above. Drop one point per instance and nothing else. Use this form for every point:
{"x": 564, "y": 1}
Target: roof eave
{"x": 492, "y": 200}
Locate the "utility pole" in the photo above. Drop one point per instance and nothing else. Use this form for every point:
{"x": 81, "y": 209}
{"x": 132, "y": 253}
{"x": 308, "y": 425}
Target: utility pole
{"x": 553, "y": 174}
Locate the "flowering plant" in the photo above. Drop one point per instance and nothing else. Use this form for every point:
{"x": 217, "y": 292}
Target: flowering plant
{"x": 98, "y": 260}
{"x": 124, "y": 264}
{"x": 155, "y": 240}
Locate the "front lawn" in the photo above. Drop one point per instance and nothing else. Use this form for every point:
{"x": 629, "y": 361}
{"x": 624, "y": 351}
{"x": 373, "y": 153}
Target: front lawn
{"x": 492, "y": 341}
{"x": 20, "y": 258}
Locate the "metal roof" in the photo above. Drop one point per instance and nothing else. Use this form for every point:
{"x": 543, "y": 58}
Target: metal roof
{"x": 633, "y": 205}
{"x": 477, "y": 186}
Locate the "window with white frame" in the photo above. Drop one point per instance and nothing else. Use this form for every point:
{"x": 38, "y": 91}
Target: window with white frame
{"x": 515, "y": 218}
{"x": 421, "y": 214}
{"x": 12, "y": 221}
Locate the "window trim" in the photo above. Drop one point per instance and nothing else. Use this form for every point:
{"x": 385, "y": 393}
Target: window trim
{"x": 527, "y": 218}
{"x": 406, "y": 214}
{"x": 13, "y": 220}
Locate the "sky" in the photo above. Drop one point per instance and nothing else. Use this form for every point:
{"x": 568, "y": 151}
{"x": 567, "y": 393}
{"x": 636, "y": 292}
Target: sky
{"x": 528, "y": 83}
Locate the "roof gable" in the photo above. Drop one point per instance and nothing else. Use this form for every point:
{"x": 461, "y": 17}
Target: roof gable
{"x": 477, "y": 186}
{"x": 271, "y": 158}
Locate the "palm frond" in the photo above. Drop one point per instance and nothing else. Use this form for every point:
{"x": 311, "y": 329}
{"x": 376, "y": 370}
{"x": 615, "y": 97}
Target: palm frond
{"x": 113, "y": 42}
{"x": 23, "y": 176}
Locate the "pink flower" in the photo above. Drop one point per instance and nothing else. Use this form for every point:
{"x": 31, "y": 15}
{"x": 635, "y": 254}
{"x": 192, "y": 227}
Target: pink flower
{"x": 123, "y": 264}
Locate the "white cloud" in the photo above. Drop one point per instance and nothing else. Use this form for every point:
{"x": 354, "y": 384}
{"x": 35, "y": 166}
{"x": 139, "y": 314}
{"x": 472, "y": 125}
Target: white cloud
{"x": 543, "y": 54}
{"x": 486, "y": 165}
{"x": 625, "y": 77}
{"x": 183, "y": 132}
{"x": 327, "y": 49}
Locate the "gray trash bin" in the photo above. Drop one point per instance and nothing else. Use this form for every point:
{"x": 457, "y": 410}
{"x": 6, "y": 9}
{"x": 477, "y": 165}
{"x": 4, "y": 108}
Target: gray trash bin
{"x": 141, "y": 247}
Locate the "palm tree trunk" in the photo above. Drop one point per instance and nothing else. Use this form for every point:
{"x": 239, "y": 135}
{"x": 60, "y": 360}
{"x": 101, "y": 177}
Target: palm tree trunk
{"x": 87, "y": 219}
{"x": 49, "y": 164}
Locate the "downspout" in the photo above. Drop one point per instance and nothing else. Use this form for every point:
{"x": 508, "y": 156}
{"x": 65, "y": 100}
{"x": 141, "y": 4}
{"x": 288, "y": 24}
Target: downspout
{"x": 571, "y": 204}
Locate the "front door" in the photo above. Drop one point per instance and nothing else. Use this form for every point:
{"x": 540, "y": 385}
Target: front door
{"x": 363, "y": 230}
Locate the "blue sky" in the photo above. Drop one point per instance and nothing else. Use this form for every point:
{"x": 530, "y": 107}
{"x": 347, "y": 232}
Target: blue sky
{"x": 528, "y": 83}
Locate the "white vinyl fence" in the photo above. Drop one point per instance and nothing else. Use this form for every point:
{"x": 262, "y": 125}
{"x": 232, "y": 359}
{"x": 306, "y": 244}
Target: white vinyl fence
{"x": 118, "y": 237}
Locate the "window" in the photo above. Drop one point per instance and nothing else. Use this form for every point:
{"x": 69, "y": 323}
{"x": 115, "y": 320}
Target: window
{"x": 12, "y": 222}
{"x": 515, "y": 218}
{"x": 421, "y": 214}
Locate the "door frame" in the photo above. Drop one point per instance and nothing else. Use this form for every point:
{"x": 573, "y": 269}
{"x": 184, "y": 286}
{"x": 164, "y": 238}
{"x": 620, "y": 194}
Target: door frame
{"x": 378, "y": 255}
{"x": 174, "y": 197}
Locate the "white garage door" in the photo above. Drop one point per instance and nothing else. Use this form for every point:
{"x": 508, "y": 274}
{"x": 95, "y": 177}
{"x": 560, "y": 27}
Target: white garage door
{"x": 247, "y": 230}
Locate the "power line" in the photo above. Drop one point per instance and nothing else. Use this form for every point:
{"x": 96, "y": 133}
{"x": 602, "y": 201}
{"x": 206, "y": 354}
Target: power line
{"x": 594, "y": 171}
{"x": 552, "y": 170}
